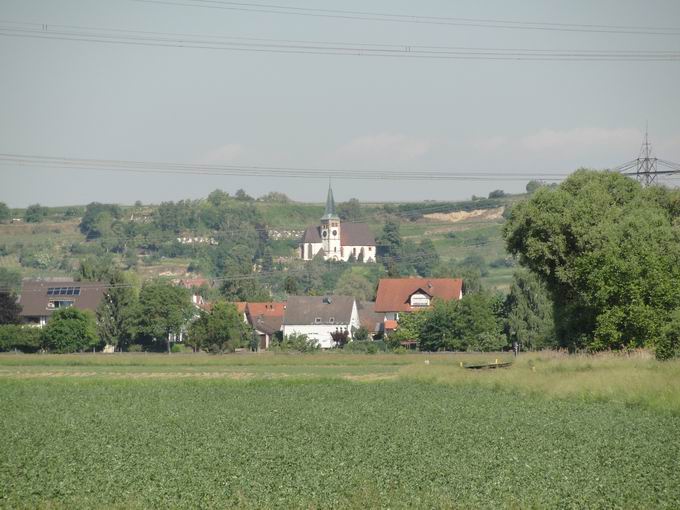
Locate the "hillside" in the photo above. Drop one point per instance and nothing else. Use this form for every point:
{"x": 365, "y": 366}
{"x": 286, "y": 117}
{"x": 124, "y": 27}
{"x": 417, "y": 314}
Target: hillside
{"x": 144, "y": 238}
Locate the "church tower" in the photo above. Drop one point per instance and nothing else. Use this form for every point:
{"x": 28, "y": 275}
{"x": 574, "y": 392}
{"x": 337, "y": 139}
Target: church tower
{"x": 330, "y": 229}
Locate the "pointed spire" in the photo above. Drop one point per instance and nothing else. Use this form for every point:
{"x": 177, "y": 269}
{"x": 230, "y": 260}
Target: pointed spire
{"x": 329, "y": 213}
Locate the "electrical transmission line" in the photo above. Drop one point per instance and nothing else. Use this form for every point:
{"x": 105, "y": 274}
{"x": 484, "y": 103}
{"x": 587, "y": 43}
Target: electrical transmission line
{"x": 357, "y": 49}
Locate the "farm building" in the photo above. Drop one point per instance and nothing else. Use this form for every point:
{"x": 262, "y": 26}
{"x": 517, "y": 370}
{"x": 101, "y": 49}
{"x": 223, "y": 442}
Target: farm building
{"x": 403, "y": 295}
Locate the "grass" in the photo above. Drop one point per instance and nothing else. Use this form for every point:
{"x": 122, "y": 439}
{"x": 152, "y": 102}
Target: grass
{"x": 336, "y": 430}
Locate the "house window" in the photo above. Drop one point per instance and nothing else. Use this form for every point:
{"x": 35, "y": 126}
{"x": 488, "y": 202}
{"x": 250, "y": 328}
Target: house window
{"x": 59, "y": 303}
{"x": 331, "y": 320}
{"x": 317, "y": 320}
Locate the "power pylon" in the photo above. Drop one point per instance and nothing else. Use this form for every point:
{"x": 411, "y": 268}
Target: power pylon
{"x": 645, "y": 167}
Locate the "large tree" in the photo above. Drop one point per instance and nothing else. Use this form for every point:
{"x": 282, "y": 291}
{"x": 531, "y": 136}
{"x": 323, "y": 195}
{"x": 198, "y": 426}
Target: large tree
{"x": 5, "y": 213}
{"x": 70, "y": 330}
{"x": 608, "y": 251}
{"x": 222, "y": 329}
{"x": 116, "y": 312}
{"x": 354, "y": 284}
{"x": 163, "y": 311}
{"x": 9, "y": 308}
{"x": 529, "y": 312}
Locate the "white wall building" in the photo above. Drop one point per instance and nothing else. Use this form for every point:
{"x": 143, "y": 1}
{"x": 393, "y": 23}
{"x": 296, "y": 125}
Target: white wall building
{"x": 319, "y": 317}
{"x": 337, "y": 240}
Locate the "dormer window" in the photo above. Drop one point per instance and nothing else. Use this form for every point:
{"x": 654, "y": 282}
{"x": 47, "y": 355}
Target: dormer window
{"x": 420, "y": 300}
{"x": 317, "y": 320}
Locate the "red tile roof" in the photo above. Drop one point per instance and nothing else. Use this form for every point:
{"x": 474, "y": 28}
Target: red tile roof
{"x": 394, "y": 293}
{"x": 241, "y": 306}
{"x": 266, "y": 309}
{"x": 391, "y": 325}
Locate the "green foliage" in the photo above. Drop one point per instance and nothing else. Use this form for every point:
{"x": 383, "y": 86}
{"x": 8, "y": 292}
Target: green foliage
{"x": 10, "y": 279}
{"x": 361, "y": 334}
{"x": 350, "y": 210}
{"x": 297, "y": 343}
{"x": 220, "y": 330}
{"x": 99, "y": 219}
{"x": 498, "y": 193}
{"x": 163, "y": 311}
{"x": 356, "y": 285}
{"x": 35, "y": 213}
{"x": 96, "y": 268}
{"x": 366, "y": 347}
{"x": 116, "y": 313}
{"x": 529, "y": 312}
{"x": 668, "y": 345}
{"x": 609, "y": 254}
{"x": 5, "y": 213}
{"x": 70, "y": 330}
{"x": 21, "y": 338}
{"x": 9, "y": 308}
{"x": 470, "y": 324}
{"x": 340, "y": 338}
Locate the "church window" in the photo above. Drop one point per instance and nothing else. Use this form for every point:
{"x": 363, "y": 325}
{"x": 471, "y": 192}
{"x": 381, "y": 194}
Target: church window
{"x": 335, "y": 232}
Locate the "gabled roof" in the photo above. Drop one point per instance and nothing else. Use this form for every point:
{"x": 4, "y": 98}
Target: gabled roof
{"x": 394, "y": 293}
{"x": 356, "y": 234}
{"x": 241, "y": 306}
{"x": 36, "y": 294}
{"x": 305, "y": 310}
{"x": 368, "y": 317}
{"x": 268, "y": 325}
{"x": 312, "y": 235}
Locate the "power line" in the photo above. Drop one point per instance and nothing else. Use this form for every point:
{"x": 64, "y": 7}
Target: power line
{"x": 199, "y": 169}
{"x": 418, "y": 19}
{"x": 408, "y": 51}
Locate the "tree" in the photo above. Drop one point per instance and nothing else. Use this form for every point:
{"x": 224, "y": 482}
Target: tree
{"x": 498, "y": 193}
{"x": 5, "y": 213}
{"x": 10, "y": 279}
{"x": 70, "y": 330}
{"x": 354, "y": 284}
{"x": 222, "y": 329}
{"x": 242, "y": 196}
{"x": 9, "y": 308}
{"x": 608, "y": 252}
{"x": 425, "y": 258}
{"x": 529, "y": 312}
{"x": 162, "y": 313}
{"x": 668, "y": 346}
{"x": 98, "y": 219}
{"x": 116, "y": 312}
{"x": 350, "y": 210}
{"x": 361, "y": 334}
{"x": 340, "y": 338}
{"x": 290, "y": 285}
{"x": 35, "y": 213}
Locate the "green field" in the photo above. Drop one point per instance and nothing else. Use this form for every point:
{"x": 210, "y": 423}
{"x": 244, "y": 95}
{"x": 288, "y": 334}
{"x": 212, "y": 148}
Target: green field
{"x": 341, "y": 431}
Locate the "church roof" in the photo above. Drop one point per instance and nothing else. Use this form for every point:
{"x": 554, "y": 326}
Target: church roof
{"x": 329, "y": 213}
{"x": 356, "y": 234}
{"x": 351, "y": 234}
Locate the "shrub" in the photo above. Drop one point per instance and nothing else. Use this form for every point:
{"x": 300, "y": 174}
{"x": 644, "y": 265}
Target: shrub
{"x": 299, "y": 343}
{"x": 366, "y": 346}
{"x": 668, "y": 345}
{"x": 178, "y": 349}
{"x": 21, "y": 338}
{"x": 135, "y": 348}
{"x": 70, "y": 330}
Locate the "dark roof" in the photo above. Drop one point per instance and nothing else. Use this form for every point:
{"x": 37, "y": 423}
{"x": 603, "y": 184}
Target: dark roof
{"x": 368, "y": 317}
{"x": 312, "y": 235}
{"x": 304, "y": 310}
{"x": 329, "y": 213}
{"x": 356, "y": 234}
{"x": 394, "y": 293}
{"x": 36, "y": 294}
{"x": 351, "y": 234}
{"x": 267, "y": 324}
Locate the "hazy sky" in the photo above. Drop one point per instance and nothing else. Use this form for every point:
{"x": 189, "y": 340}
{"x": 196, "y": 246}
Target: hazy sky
{"x": 91, "y": 100}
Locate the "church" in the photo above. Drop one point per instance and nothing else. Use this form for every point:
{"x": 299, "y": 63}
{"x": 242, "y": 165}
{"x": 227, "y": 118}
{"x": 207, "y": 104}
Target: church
{"x": 336, "y": 240}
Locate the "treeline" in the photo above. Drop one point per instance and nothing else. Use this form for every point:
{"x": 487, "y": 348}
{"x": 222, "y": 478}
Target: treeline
{"x": 608, "y": 252}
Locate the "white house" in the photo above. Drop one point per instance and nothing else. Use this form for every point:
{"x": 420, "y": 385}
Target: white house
{"x": 318, "y": 317}
{"x": 337, "y": 240}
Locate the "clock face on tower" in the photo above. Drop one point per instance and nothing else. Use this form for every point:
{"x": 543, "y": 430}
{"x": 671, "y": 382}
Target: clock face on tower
{"x": 335, "y": 233}
{"x": 324, "y": 233}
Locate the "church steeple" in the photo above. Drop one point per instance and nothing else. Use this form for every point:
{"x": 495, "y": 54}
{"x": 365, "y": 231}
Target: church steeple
{"x": 329, "y": 213}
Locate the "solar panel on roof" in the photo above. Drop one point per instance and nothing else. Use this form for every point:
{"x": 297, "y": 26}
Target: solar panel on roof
{"x": 50, "y": 291}
{"x": 76, "y": 291}
{"x": 69, "y": 291}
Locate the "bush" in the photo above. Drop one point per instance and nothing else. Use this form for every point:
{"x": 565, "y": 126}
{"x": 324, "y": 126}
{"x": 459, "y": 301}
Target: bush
{"x": 135, "y": 348}
{"x": 70, "y": 330}
{"x": 366, "y": 347}
{"x": 668, "y": 345}
{"x": 178, "y": 349}
{"x": 299, "y": 343}
{"x": 21, "y": 338}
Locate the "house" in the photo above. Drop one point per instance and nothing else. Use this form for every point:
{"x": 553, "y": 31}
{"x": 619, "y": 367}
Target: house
{"x": 266, "y": 319}
{"x": 318, "y": 317}
{"x": 404, "y": 295}
{"x": 40, "y": 298}
{"x": 336, "y": 240}
{"x": 369, "y": 318}
{"x": 194, "y": 285}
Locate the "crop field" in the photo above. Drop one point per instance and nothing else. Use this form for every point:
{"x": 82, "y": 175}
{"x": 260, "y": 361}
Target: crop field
{"x": 338, "y": 431}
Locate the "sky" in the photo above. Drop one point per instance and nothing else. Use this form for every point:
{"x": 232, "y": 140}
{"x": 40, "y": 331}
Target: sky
{"x": 83, "y": 99}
